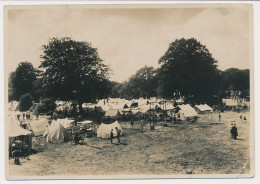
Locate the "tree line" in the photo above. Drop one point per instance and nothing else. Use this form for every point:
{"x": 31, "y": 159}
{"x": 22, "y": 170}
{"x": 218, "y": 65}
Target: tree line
{"x": 73, "y": 71}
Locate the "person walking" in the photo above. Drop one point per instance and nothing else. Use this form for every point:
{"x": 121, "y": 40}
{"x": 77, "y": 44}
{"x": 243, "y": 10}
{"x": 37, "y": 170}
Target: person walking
{"x": 118, "y": 134}
{"x": 111, "y": 136}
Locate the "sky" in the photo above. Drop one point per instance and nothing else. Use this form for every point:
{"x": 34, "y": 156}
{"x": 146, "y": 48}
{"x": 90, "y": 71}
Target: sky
{"x": 129, "y": 38}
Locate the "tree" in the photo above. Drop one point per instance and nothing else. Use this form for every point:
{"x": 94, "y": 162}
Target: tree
{"x": 73, "y": 71}
{"x": 21, "y": 81}
{"x": 236, "y": 79}
{"x": 188, "y": 69}
{"x": 143, "y": 83}
{"x": 25, "y": 102}
{"x": 46, "y": 105}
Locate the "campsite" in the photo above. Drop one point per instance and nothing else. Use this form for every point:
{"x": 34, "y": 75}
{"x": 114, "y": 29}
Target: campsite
{"x": 207, "y": 144}
{"x": 118, "y": 91}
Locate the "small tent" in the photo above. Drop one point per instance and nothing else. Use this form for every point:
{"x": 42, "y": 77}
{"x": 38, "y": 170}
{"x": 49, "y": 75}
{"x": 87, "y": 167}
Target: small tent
{"x": 56, "y": 133}
{"x": 230, "y": 102}
{"x": 112, "y": 113}
{"x": 38, "y": 127}
{"x": 203, "y": 109}
{"x": 187, "y": 112}
{"x": 105, "y": 129}
{"x": 14, "y": 130}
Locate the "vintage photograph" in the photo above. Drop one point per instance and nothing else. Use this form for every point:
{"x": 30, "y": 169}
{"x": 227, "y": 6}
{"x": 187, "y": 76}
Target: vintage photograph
{"x": 129, "y": 91}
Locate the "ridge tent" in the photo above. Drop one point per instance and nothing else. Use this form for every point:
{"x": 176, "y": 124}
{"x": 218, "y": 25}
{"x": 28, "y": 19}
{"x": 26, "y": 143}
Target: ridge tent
{"x": 14, "y": 130}
{"x": 66, "y": 123}
{"x": 187, "y": 112}
{"x": 56, "y": 133}
{"x": 105, "y": 129}
{"x": 203, "y": 108}
{"x": 112, "y": 113}
{"x": 230, "y": 102}
{"x": 39, "y": 126}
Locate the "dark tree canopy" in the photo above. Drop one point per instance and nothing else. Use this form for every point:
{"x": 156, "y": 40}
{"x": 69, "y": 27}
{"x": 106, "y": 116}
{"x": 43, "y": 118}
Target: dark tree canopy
{"x": 46, "y": 105}
{"x": 236, "y": 79}
{"x": 25, "y": 102}
{"x": 188, "y": 69}
{"x": 73, "y": 70}
{"x": 143, "y": 83}
{"x": 21, "y": 81}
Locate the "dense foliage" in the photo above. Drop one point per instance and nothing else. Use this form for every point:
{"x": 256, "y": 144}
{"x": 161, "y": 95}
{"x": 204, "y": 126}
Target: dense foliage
{"x": 73, "y": 71}
{"x": 21, "y": 81}
{"x": 46, "y": 105}
{"x": 25, "y": 102}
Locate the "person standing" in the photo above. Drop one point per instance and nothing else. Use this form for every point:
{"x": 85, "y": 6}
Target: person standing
{"x": 118, "y": 132}
{"x": 219, "y": 116}
{"x": 234, "y": 132}
{"x": 132, "y": 123}
{"x": 230, "y": 130}
{"x": 111, "y": 136}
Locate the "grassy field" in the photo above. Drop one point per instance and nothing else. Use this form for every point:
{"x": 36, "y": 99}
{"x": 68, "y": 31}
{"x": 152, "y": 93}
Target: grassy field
{"x": 201, "y": 148}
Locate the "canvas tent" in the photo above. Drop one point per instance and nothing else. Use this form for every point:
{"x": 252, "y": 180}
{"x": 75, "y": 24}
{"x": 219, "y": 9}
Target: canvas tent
{"x": 203, "y": 108}
{"x": 105, "y": 129}
{"x": 56, "y": 133}
{"x": 187, "y": 112}
{"x": 230, "y": 102}
{"x": 38, "y": 127}
{"x": 14, "y": 130}
{"x": 66, "y": 123}
{"x": 111, "y": 113}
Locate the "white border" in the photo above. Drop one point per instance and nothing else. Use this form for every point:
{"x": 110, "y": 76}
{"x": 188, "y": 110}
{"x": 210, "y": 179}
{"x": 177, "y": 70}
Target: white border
{"x": 256, "y": 179}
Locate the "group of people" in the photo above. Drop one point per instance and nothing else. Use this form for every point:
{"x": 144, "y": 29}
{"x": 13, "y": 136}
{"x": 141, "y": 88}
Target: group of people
{"x": 24, "y": 116}
{"x": 118, "y": 132}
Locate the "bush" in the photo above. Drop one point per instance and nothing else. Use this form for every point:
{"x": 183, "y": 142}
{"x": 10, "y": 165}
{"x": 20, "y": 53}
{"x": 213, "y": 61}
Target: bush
{"x": 46, "y": 105}
{"x": 25, "y": 102}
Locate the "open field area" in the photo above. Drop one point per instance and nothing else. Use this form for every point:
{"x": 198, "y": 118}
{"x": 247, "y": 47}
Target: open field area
{"x": 201, "y": 148}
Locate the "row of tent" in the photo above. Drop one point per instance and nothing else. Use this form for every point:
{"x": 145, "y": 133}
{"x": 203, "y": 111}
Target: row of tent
{"x": 56, "y": 132}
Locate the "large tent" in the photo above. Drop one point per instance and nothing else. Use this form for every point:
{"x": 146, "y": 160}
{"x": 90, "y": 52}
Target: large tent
{"x": 66, "y": 123}
{"x": 15, "y": 130}
{"x": 203, "y": 108}
{"x": 105, "y": 129}
{"x": 38, "y": 127}
{"x": 187, "y": 112}
{"x": 56, "y": 133}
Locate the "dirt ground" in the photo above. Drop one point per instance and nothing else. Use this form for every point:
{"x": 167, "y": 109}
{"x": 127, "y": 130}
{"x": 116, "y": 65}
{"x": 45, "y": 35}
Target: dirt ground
{"x": 186, "y": 148}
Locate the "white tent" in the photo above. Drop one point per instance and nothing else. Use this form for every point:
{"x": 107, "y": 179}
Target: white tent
{"x": 56, "y": 133}
{"x": 85, "y": 124}
{"x": 203, "y": 108}
{"x": 15, "y": 130}
{"x": 105, "y": 129}
{"x": 66, "y": 123}
{"x": 186, "y": 111}
{"x": 38, "y": 127}
{"x": 230, "y": 102}
{"x": 112, "y": 113}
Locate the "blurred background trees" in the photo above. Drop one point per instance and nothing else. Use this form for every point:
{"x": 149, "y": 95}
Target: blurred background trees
{"x": 73, "y": 71}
